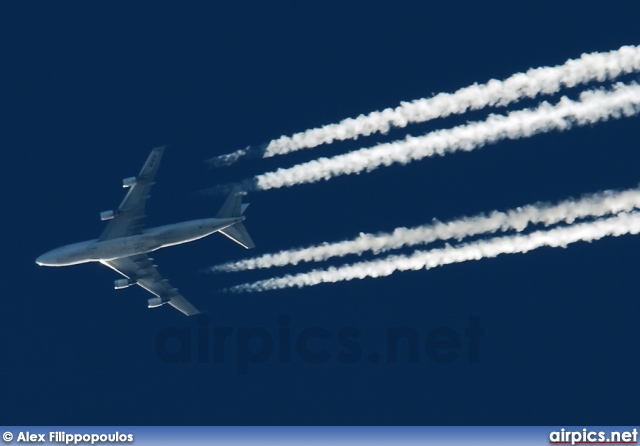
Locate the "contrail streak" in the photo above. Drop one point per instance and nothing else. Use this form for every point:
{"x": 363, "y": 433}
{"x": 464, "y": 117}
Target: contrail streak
{"x": 544, "y": 80}
{"x": 229, "y": 158}
{"x": 595, "y": 205}
{"x": 624, "y": 223}
{"x": 593, "y": 106}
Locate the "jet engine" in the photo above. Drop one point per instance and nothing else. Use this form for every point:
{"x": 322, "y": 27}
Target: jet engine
{"x": 155, "y": 302}
{"x": 107, "y": 215}
{"x": 123, "y": 283}
{"x": 129, "y": 182}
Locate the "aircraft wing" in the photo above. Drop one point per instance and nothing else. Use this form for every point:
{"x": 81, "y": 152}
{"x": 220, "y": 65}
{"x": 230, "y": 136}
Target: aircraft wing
{"x": 141, "y": 269}
{"x": 130, "y": 214}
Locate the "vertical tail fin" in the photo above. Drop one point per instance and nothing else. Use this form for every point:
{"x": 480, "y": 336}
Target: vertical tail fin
{"x": 233, "y": 208}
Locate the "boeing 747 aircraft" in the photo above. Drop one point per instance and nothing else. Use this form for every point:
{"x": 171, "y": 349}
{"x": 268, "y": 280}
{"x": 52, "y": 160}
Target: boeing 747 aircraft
{"x": 124, "y": 244}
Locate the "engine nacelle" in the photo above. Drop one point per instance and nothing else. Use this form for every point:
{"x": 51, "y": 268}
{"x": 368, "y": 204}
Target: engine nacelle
{"x": 155, "y": 302}
{"x": 129, "y": 182}
{"x": 123, "y": 283}
{"x": 107, "y": 215}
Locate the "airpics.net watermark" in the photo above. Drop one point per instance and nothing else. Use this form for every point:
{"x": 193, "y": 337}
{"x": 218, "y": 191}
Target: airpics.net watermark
{"x": 315, "y": 345}
{"x": 591, "y": 436}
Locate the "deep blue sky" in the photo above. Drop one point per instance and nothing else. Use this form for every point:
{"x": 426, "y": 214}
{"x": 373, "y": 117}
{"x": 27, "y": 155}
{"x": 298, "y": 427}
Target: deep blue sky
{"x": 89, "y": 88}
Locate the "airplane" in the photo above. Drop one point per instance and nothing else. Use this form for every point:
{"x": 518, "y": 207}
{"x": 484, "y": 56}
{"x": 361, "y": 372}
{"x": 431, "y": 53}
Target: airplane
{"x": 124, "y": 244}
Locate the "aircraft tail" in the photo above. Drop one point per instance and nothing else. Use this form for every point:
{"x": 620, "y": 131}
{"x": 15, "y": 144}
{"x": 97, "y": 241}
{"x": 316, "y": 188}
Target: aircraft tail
{"x": 232, "y": 208}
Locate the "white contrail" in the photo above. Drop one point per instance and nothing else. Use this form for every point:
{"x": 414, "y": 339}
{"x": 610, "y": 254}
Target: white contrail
{"x": 543, "y": 80}
{"x": 624, "y": 223}
{"x": 593, "y": 106}
{"x": 228, "y": 158}
{"x": 595, "y": 205}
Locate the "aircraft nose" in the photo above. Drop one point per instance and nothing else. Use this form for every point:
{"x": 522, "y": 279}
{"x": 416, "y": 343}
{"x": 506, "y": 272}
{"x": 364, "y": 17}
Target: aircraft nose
{"x": 44, "y": 259}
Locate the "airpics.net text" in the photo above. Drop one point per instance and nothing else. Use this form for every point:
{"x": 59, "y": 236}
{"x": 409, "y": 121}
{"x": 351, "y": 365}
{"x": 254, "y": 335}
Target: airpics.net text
{"x": 315, "y": 345}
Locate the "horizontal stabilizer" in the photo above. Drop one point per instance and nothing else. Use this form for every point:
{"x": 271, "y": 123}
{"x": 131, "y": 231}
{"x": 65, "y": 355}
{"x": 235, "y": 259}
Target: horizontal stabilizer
{"x": 239, "y": 234}
{"x": 233, "y": 207}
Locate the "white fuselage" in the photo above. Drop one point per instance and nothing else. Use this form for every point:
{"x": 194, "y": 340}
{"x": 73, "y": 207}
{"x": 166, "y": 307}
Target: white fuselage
{"x": 150, "y": 240}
